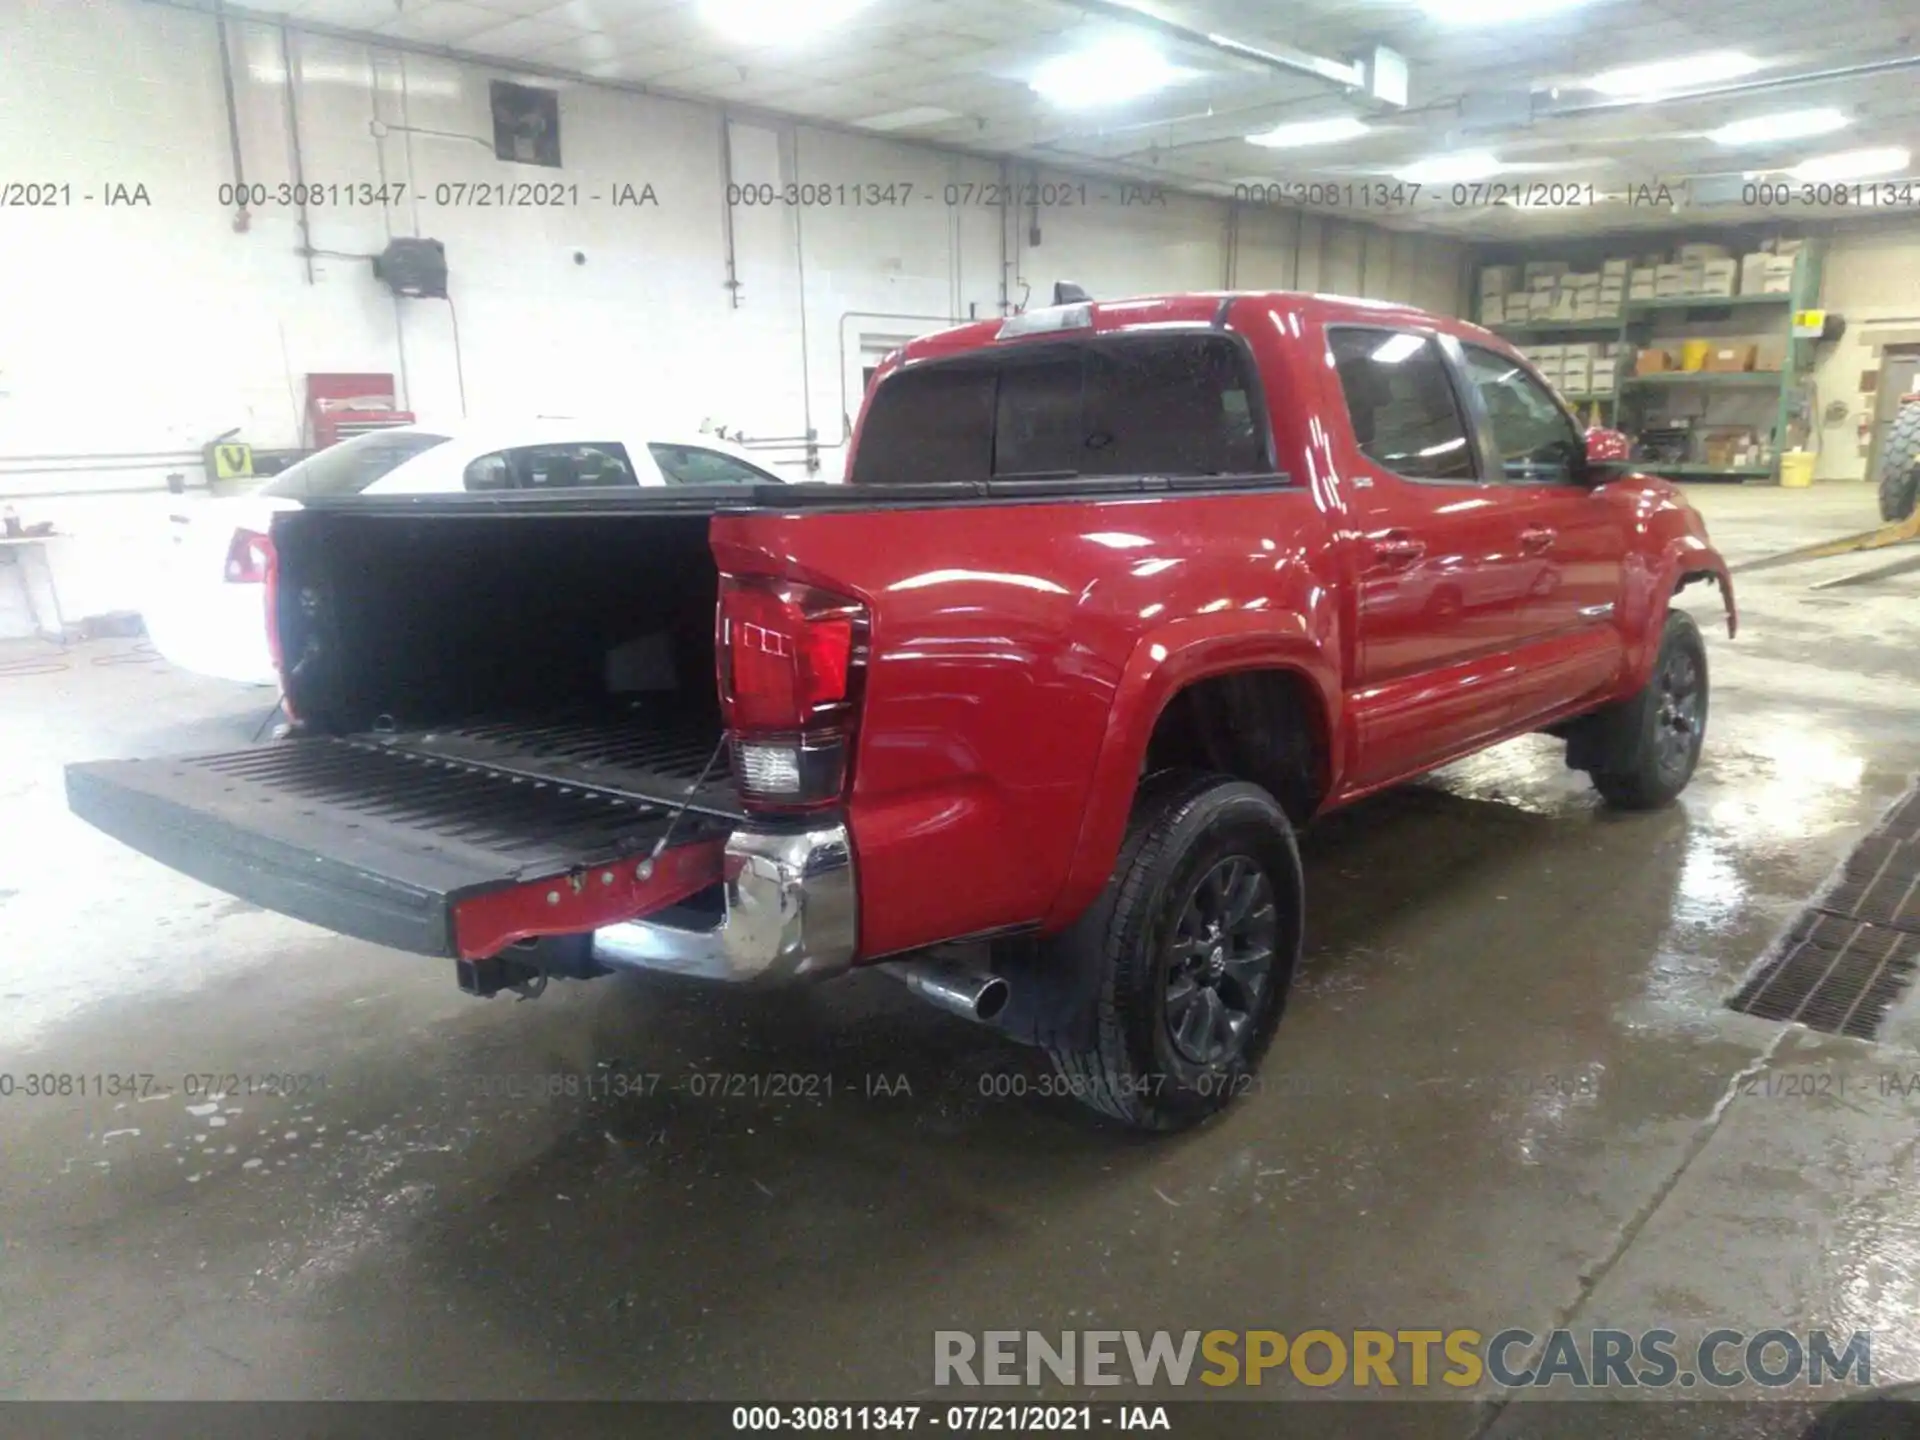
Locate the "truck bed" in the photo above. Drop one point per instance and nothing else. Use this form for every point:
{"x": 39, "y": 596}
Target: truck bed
{"x": 381, "y": 837}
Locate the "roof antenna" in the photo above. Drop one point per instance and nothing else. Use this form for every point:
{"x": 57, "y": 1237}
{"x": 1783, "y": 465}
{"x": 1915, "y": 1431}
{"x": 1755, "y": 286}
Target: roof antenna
{"x": 1065, "y": 292}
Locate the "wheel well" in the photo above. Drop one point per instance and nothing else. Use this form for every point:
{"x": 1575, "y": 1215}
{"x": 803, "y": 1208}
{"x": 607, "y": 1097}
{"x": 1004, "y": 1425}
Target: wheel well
{"x": 1266, "y": 726}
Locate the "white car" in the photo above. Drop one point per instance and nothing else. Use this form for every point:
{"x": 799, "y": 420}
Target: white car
{"x": 204, "y": 608}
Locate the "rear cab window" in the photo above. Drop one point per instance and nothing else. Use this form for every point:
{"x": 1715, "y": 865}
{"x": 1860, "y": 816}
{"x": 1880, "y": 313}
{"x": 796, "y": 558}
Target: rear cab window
{"x": 1101, "y": 406}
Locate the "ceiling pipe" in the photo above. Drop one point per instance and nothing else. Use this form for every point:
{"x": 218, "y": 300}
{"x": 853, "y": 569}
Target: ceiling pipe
{"x": 1721, "y": 92}
{"x": 1349, "y": 75}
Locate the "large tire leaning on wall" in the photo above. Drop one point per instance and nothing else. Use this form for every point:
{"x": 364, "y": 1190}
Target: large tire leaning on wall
{"x": 1900, "y": 464}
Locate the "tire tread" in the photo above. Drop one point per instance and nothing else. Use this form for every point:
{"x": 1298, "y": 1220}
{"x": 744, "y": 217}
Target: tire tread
{"x": 1100, "y": 1074}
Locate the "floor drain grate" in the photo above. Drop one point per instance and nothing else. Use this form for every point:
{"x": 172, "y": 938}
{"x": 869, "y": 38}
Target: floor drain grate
{"x": 1852, "y": 952}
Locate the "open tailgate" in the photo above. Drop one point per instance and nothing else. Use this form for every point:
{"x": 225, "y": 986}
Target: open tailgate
{"x": 422, "y": 854}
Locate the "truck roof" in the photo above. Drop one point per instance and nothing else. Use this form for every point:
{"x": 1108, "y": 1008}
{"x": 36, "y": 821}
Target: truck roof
{"x": 1200, "y": 307}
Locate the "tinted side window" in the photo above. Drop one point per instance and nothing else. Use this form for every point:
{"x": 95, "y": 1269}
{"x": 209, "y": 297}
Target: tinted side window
{"x": 1402, "y": 407}
{"x": 927, "y": 426}
{"x": 351, "y": 466}
{"x": 1536, "y": 442}
{"x": 694, "y": 465}
{"x": 551, "y": 467}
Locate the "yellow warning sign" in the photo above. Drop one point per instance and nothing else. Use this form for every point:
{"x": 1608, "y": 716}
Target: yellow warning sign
{"x": 231, "y": 462}
{"x": 1809, "y": 324}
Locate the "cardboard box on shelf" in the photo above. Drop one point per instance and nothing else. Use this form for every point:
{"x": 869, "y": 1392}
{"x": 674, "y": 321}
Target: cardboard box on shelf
{"x": 1719, "y": 277}
{"x": 1619, "y": 265}
{"x": 1691, "y": 254}
{"x": 1667, "y": 280}
{"x": 1542, "y": 270}
{"x": 1499, "y": 279}
{"x": 1576, "y": 376}
{"x": 1722, "y": 447}
{"x": 1640, "y": 283}
{"x": 1776, "y": 277}
{"x": 1564, "y": 306}
{"x": 1539, "y": 304}
{"x": 1581, "y": 350}
{"x": 1725, "y": 357}
{"x": 1538, "y": 353}
{"x": 1581, "y": 280}
{"x": 1609, "y": 309}
{"x": 1519, "y": 307}
{"x": 1586, "y": 305}
{"x": 1602, "y": 377}
{"x": 1652, "y": 362}
{"x": 1543, "y": 284}
{"x": 1693, "y": 277}
{"x": 1753, "y": 273}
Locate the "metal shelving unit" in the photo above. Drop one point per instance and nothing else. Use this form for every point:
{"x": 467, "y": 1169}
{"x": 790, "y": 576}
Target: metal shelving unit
{"x": 1635, "y": 327}
{"x": 1707, "y": 302}
{"x": 1711, "y": 378}
{"x": 1638, "y": 327}
{"x": 1608, "y": 326}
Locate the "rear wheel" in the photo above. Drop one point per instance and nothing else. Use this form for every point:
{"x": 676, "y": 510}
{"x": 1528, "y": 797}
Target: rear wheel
{"x": 1193, "y": 943}
{"x": 1652, "y": 741}
{"x": 1900, "y": 465}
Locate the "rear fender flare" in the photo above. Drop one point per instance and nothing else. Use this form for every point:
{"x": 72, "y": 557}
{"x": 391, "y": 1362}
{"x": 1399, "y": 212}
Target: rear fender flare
{"x": 1163, "y": 663}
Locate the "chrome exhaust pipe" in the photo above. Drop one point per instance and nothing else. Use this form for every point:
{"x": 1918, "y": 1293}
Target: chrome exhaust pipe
{"x": 970, "y": 991}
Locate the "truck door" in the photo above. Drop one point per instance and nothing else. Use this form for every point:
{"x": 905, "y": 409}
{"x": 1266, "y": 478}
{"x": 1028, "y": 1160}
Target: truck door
{"x": 1440, "y": 583}
{"x": 1572, "y": 538}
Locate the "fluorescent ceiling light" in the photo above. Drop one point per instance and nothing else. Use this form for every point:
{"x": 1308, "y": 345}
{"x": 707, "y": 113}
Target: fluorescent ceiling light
{"x": 1853, "y": 164}
{"x": 1493, "y": 12}
{"x": 909, "y": 118}
{"x": 776, "y": 22}
{"x": 1108, "y": 73}
{"x": 1396, "y": 348}
{"x": 1787, "y": 125}
{"x": 1688, "y": 73}
{"x": 1457, "y": 168}
{"x": 1310, "y": 132}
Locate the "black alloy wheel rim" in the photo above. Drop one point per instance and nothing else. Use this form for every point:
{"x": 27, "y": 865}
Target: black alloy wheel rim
{"x": 1220, "y": 961}
{"x": 1682, "y": 704}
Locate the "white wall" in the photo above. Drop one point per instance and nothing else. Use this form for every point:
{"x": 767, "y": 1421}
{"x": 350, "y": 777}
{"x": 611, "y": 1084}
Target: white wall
{"x": 142, "y": 333}
{"x": 1872, "y": 277}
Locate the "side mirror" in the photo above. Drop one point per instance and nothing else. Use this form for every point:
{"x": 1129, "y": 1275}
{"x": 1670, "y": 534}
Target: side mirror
{"x": 1606, "y": 454}
{"x": 1607, "y": 450}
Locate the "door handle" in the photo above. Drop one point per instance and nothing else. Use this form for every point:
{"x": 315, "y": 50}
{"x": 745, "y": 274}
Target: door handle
{"x": 1397, "y": 548}
{"x": 1537, "y": 537}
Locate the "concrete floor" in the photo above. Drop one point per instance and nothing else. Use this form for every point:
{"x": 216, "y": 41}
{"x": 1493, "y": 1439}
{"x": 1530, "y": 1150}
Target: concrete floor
{"x": 1507, "y": 1094}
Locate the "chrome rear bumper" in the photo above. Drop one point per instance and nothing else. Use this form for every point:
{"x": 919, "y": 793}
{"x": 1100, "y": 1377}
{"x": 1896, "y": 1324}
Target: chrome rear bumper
{"x": 791, "y": 912}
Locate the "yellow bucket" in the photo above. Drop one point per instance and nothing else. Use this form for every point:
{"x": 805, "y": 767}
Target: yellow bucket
{"x": 1796, "y": 469}
{"x": 1693, "y": 354}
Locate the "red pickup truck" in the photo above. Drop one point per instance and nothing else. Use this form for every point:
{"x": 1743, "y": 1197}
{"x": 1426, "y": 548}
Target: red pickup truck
{"x": 1114, "y": 599}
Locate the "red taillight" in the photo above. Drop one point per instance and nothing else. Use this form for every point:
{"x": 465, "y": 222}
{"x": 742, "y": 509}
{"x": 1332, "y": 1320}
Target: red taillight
{"x": 248, "y": 555}
{"x": 270, "y": 598}
{"x": 790, "y": 658}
